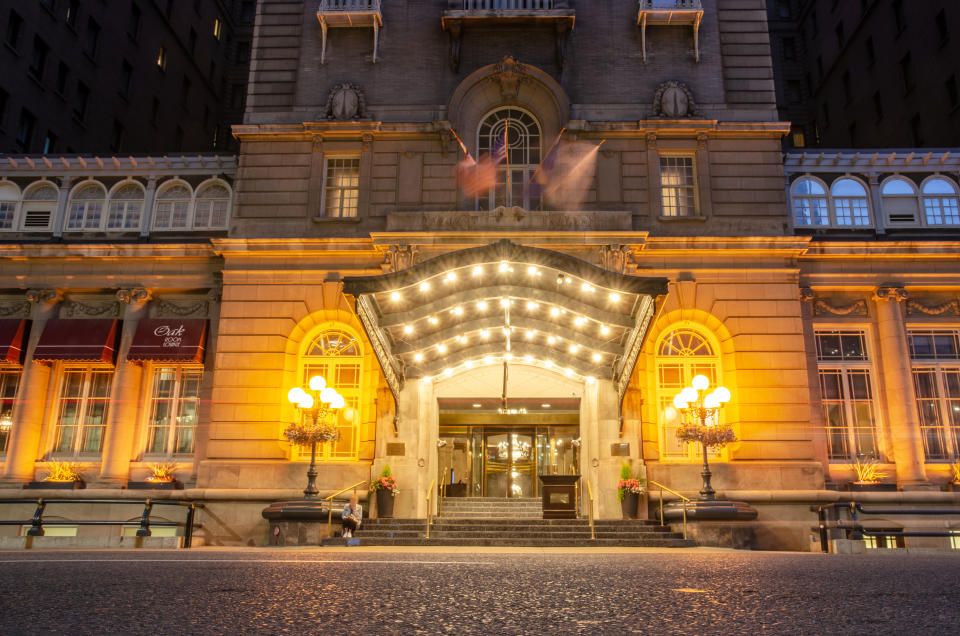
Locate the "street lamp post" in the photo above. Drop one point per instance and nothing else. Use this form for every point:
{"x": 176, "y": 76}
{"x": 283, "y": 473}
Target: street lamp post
{"x": 699, "y": 413}
{"x": 316, "y": 407}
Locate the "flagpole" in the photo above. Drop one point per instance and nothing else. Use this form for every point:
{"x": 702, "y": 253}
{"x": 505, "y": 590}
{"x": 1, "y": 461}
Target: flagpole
{"x": 544, "y": 157}
{"x": 578, "y": 164}
{"x": 506, "y": 150}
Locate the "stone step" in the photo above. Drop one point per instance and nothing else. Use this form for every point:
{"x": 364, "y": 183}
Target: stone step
{"x": 513, "y": 542}
{"x": 579, "y": 536}
{"x": 494, "y": 499}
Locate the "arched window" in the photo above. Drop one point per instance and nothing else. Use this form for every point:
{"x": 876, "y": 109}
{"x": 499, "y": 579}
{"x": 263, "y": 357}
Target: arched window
{"x": 9, "y": 201}
{"x": 336, "y": 355}
{"x": 212, "y": 206}
{"x": 900, "y": 201}
{"x": 39, "y": 206}
{"x": 85, "y": 211}
{"x": 126, "y": 207}
{"x": 172, "y": 210}
{"x": 940, "y": 202}
{"x": 681, "y": 355}
{"x": 809, "y": 203}
{"x": 850, "y": 203}
{"x": 512, "y": 139}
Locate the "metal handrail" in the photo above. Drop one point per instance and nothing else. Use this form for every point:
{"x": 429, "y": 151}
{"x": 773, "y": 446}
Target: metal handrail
{"x": 329, "y": 501}
{"x": 430, "y": 512}
{"x": 37, "y": 522}
{"x": 349, "y": 5}
{"x": 593, "y": 534}
{"x": 683, "y": 499}
{"x": 856, "y": 530}
{"x": 442, "y": 491}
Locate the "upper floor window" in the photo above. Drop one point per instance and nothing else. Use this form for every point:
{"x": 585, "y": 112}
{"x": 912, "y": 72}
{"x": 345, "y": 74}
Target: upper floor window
{"x": 341, "y": 187}
{"x": 126, "y": 207}
{"x": 85, "y": 211}
{"x": 935, "y": 356}
{"x": 678, "y": 186}
{"x": 39, "y": 206}
{"x": 179, "y": 208}
{"x": 809, "y": 203}
{"x": 850, "y": 203}
{"x": 940, "y": 202}
{"x": 9, "y": 381}
{"x": 511, "y": 138}
{"x": 9, "y": 201}
{"x": 900, "y": 201}
{"x": 212, "y": 206}
{"x": 173, "y": 206}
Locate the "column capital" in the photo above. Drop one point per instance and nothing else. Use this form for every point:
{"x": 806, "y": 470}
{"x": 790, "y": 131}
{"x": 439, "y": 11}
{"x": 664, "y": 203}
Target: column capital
{"x": 133, "y": 295}
{"x": 807, "y": 294}
{"x": 891, "y": 292}
{"x": 44, "y": 295}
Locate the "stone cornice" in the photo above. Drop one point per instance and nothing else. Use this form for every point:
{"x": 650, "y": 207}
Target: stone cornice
{"x": 66, "y": 165}
{"x": 880, "y": 160}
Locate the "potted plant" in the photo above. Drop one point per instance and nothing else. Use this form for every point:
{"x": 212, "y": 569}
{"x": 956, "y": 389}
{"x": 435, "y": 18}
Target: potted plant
{"x": 869, "y": 476}
{"x": 629, "y": 490}
{"x": 63, "y": 476}
{"x": 954, "y": 484}
{"x": 386, "y": 488}
{"x": 160, "y": 478}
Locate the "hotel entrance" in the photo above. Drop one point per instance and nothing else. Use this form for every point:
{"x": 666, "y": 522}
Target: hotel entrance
{"x": 486, "y": 450}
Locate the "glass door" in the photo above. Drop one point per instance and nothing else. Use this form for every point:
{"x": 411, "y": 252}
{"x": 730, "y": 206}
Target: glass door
{"x": 510, "y": 466}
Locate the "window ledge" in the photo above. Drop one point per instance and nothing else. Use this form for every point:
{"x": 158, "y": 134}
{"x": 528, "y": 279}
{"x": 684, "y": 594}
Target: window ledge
{"x": 335, "y": 219}
{"x": 673, "y": 219}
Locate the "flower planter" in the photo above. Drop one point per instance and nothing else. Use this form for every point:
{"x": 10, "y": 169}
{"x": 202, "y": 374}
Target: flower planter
{"x": 55, "y": 485}
{"x": 155, "y": 485}
{"x": 384, "y": 504}
{"x": 628, "y": 505}
{"x": 852, "y": 487}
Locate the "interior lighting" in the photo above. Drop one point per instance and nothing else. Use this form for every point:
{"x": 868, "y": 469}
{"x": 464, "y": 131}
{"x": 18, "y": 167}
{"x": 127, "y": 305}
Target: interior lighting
{"x": 532, "y": 270}
{"x": 482, "y": 305}
{"x": 544, "y": 406}
{"x": 484, "y": 334}
{"x": 614, "y": 297}
{"x": 597, "y": 357}
{"x": 395, "y": 297}
{"x": 432, "y": 320}
{"x": 418, "y": 357}
{"x": 450, "y": 277}
{"x": 461, "y": 339}
{"x": 688, "y": 394}
{"x": 408, "y": 329}
{"x": 722, "y": 393}
{"x": 604, "y": 330}
{"x": 591, "y": 379}
{"x": 317, "y": 383}
{"x": 442, "y": 348}
{"x": 295, "y": 395}
{"x": 568, "y": 280}
{"x": 679, "y": 403}
{"x": 424, "y": 287}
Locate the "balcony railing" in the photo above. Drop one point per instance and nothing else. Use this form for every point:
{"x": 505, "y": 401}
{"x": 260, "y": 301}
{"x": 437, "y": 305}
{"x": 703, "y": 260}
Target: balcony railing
{"x": 671, "y": 5}
{"x": 349, "y": 13}
{"x": 506, "y": 5}
{"x": 356, "y": 6}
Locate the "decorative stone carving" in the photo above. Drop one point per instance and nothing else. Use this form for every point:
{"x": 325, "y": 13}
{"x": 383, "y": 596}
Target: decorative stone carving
{"x": 948, "y": 308}
{"x": 14, "y": 308}
{"x": 346, "y": 102}
{"x": 673, "y": 100}
{"x": 215, "y": 294}
{"x": 400, "y": 257}
{"x": 134, "y": 295}
{"x": 509, "y": 74}
{"x": 514, "y": 218}
{"x": 91, "y": 308}
{"x": 856, "y": 308}
{"x": 888, "y": 292}
{"x": 616, "y": 258}
{"x": 195, "y": 307}
{"x": 807, "y": 294}
{"x": 43, "y": 295}
{"x": 651, "y": 141}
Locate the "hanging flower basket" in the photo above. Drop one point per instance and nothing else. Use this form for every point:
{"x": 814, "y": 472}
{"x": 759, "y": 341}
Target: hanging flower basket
{"x": 710, "y": 436}
{"x": 306, "y": 434}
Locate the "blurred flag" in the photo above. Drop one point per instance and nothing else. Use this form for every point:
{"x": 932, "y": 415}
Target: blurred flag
{"x": 477, "y": 177}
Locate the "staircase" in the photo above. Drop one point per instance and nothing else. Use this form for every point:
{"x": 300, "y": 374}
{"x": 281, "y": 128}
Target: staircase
{"x": 509, "y": 522}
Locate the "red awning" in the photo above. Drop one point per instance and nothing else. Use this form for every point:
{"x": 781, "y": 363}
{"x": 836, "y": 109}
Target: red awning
{"x": 87, "y": 339}
{"x": 12, "y": 332}
{"x": 169, "y": 339}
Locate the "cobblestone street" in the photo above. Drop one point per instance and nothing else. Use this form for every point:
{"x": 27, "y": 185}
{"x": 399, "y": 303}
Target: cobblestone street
{"x": 506, "y": 591}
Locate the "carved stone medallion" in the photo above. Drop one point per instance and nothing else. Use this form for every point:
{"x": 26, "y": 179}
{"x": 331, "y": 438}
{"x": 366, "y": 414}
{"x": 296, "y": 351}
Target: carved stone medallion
{"x": 509, "y": 74}
{"x": 674, "y": 100}
{"x": 345, "y": 102}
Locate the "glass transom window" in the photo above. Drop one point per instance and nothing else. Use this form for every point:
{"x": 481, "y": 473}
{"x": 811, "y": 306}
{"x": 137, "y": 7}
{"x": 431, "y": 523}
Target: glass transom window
{"x": 511, "y": 137}
{"x": 336, "y": 355}
{"x": 681, "y": 355}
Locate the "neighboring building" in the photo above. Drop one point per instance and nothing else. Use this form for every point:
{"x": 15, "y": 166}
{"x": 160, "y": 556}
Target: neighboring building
{"x": 868, "y": 74}
{"x": 482, "y": 317}
{"x": 145, "y": 76}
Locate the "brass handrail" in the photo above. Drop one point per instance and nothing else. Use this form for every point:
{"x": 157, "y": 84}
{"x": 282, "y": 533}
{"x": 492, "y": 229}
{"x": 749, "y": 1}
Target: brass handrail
{"x": 330, "y": 503}
{"x": 593, "y": 534}
{"x": 430, "y": 512}
{"x": 685, "y": 501}
{"x": 442, "y": 488}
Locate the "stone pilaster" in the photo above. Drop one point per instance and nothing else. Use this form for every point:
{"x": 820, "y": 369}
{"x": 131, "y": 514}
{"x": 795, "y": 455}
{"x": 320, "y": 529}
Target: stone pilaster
{"x": 901, "y": 400}
{"x": 125, "y": 392}
{"x": 32, "y": 399}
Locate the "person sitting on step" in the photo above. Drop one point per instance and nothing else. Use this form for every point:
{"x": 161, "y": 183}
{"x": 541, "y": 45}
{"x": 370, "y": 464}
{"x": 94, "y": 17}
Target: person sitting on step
{"x": 352, "y": 514}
